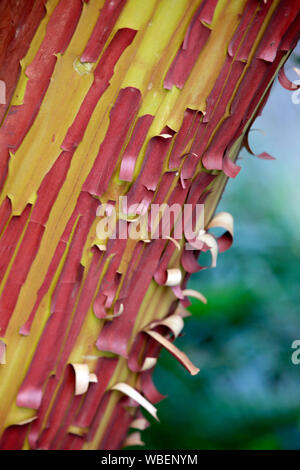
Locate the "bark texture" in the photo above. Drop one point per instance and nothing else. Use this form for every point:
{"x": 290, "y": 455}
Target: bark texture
{"x": 148, "y": 99}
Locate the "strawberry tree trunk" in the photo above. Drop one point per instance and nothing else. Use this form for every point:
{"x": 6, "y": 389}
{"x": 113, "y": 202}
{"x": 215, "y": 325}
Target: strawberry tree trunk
{"x": 104, "y": 99}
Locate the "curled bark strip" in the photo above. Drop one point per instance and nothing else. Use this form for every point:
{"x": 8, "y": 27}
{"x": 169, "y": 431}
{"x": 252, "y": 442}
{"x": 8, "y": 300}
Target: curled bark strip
{"x": 166, "y": 136}
{"x": 2, "y": 92}
{"x": 182, "y": 311}
{"x": 174, "y": 277}
{"x": 142, "y": 356}
{"x": 176, "y": 243}
{"x": 210, "y": 241}
{"x": 118, "y": 310}
{"x": 26, "y": 421}
{"x": 92, "y": 400}
{"x": 206, "y": 240}
{"x": 178, "y": 291}
{"x": 134, "y": 439}
{"x": 149, "y": 363}
{"x": 134, "y": 146}
{"x": 297, "y": 71}
{"x": 2, "y": 352}
{"x": 225, "y": 220}
{"x": 179, "y": 355}
{"x": 173, "y": 322}
{"x": 136, "y": 396}
{"x": 169, "y": 277}
{"x": 101, "y": 247}
{"x": 83, "y": 377}
{"x": 135, "y": 362}
{"x": 77, "y": 431}
{"x": 230, "y": 168}
{"x": 190, "y": 263}
{"x": 100, "y": 311}
{"x": 263, "y": 155}
{"x": 157, "y": 150}
{"x": 140, "y": 423}
{"x": 286, "y": 82}
{"x": 195, "y": 294}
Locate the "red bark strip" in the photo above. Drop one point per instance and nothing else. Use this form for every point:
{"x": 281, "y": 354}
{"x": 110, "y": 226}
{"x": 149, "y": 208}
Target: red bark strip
{"x": 134, "y": 146}
{"x": 30, "y": 393}
{"x": 186, "y": 132}
{"x": 121, "y": 117}
{"x": 102, "y": 74}
{"x": 282, "y": 18}
{"x": 11, "y": 236}
{"x": 18, "y": 273}
{"x": 195, "y": 38}
{"x": 36, "y": 426}
{"x": 18, "y": 24}
{"x": 117, "y": 427}
{"x": 115, "y": 335}
{"x": 13, "y": 437}
{"x": 248, "y": 29}
{"x": 105, "y": 23}
{"x": 50, "y": 187}
{"x": 149, "y": 389}
{"x": 104, "y": 371}
{"x": 19, "y": 119}
{"x": 285, "y": 82}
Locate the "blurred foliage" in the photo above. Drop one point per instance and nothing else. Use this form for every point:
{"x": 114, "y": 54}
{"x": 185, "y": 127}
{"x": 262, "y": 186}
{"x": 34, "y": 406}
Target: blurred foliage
{"x": 247, "y": 394}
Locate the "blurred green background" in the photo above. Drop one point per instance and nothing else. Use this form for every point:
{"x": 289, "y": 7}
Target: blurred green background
{"x": 247, "y": 394}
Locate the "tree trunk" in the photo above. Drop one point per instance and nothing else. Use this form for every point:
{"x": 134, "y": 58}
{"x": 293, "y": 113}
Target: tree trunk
{"x": 99, "y": 100}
